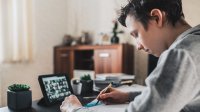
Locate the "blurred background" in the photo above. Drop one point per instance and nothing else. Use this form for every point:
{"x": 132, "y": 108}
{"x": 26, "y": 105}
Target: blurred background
{"x": 30, "y": 29}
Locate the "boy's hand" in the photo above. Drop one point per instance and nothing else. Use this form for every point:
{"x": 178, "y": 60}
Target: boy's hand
{"x": 70, "y": 103}
{"x": 114, "y": 96}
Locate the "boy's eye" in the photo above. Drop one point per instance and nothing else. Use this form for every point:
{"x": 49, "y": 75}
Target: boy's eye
{"x": 133, "y": 34}
{"x": 136, "y": 35}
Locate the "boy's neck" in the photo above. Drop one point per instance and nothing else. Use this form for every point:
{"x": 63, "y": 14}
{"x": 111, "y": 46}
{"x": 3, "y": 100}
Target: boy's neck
{"x": 178, "y": 29}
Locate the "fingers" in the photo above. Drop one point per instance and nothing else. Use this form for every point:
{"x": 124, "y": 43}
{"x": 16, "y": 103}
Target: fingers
{"x": 71, "y": 102}
{"x": 105, "y": 96}
{"x": 114, "y": 96}
{"x": 110, "y": 89}
{"x": 64, "y": 106}
{"x": 70, "y": 97}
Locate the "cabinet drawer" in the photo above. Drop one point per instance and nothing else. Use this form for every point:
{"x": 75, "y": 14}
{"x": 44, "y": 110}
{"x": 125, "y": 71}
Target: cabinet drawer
{"x": 104, "y": 54}
{"x": 62, "y": 61}
{"x": 107, "y": 61}
{"x": 63, "y": 53}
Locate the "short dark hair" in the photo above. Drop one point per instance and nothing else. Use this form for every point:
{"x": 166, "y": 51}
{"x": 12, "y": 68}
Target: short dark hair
{"x": 141, "y": 9}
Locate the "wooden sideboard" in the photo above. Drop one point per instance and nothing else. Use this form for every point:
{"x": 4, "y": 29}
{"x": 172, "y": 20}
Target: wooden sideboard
{"x": 115, "y": 58}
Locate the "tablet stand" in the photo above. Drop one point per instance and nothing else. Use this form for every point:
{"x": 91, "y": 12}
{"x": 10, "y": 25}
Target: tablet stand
{"x": 42, "y": 102}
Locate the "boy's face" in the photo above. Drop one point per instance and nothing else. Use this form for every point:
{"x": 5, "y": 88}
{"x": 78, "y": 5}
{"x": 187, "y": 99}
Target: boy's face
{"x": 150, "y": 40}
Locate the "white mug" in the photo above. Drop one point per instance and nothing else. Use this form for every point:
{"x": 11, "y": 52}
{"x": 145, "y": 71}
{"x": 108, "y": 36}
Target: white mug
{"x": 76, "y": 87}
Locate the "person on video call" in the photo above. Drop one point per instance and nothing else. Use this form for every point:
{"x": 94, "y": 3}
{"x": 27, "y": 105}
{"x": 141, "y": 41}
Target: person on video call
{"x": 159, "y": 28}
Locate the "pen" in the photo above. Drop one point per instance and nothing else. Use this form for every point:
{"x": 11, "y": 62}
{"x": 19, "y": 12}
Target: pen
{"x": 104, "y": 91}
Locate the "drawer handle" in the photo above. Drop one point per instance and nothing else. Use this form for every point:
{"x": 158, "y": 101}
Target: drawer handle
{"x": 104, "y": 55}
{"x": 64, "y": 55}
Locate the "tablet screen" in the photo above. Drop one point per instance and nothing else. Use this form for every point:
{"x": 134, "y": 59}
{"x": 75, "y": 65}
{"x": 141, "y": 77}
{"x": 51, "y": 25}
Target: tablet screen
{"x": 55, "y": 87}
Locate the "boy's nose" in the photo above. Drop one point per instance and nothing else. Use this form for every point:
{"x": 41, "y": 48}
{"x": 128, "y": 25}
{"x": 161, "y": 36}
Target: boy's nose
{"x": 139, "y": 46}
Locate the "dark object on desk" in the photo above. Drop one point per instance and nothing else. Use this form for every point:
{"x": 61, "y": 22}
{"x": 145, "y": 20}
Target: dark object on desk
{"x": 42, "y": 102}
{"x": 40, "y": 108}
{"x": 55, "y": 87}
{"x": 35, "y": 108}
{"x": 19, "y": 100}
{"x": 87, "y": 85}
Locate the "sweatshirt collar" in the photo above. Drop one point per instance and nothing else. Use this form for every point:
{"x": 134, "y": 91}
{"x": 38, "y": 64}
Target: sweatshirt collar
{"x": 184, "y": 34}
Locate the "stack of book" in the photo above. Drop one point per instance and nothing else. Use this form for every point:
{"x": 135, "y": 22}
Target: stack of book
{"x": 117, "y": 79}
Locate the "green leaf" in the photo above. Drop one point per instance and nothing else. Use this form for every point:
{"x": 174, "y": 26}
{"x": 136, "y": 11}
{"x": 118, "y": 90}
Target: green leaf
{"x": 86, "y": 77}
{"x": 18, "y": 87}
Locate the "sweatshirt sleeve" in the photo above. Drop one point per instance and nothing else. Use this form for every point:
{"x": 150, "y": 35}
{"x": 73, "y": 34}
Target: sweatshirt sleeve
{"x": 132, "y": 95}
{"x": 170, "y": 86}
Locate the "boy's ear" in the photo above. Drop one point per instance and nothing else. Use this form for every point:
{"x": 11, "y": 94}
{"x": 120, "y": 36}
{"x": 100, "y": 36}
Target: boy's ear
{"x": 158, "y": 16}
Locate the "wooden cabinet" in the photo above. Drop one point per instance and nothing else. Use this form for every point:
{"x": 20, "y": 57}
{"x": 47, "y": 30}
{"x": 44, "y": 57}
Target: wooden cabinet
{"x": 116, "y": 58}
{"x": 107, "y": 61}
{"x": 62, "y": 61}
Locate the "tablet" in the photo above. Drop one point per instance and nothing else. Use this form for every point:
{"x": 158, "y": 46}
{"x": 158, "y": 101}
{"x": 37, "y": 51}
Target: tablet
{"x": 55, "y": 87}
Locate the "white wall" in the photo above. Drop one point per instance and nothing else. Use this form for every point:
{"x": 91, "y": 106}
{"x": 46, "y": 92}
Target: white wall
{"x": 50, "y": 25}
{"x": 0, "y": 49}
{"x": 51, "y": 20}
{"x": 191, "y": 10}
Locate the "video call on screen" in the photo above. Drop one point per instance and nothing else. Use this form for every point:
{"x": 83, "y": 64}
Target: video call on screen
{"x": 56, "y": 88}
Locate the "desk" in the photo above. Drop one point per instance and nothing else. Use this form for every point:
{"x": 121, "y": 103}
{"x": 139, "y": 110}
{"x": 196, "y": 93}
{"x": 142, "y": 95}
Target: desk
{"x": 100, "y": 108}
{"x": 35, "y": 108}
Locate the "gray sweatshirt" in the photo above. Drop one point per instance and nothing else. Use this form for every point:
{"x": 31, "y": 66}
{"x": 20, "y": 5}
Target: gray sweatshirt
{"x": 174, "y": 85}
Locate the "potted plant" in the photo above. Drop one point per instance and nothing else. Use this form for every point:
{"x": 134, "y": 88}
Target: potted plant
{"x": 19, "y": 97}
{"x": 87, "y": 85}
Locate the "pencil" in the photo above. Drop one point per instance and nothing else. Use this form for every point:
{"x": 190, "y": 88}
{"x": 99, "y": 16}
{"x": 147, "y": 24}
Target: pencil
{"x": 104, "y": 91}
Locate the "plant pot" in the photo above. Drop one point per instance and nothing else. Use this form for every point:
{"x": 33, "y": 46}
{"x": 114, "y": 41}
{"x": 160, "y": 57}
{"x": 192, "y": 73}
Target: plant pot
{"x": 19, "y": 100}
{"x": 87, "y": 87}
